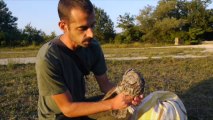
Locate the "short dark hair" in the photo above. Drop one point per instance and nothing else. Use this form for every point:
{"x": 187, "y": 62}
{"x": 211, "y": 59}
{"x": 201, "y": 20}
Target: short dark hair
{"x": 64, "y": 7}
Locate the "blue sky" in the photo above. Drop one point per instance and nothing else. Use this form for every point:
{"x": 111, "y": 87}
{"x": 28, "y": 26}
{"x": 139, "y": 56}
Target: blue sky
{"x": 42, "y": 14}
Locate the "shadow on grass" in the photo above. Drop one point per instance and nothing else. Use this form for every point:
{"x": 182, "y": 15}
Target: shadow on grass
{"x": 198, "y": 100}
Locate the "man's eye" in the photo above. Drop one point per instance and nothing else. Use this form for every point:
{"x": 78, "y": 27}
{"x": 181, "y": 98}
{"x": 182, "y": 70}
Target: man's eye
{"x": 83, "y": 28}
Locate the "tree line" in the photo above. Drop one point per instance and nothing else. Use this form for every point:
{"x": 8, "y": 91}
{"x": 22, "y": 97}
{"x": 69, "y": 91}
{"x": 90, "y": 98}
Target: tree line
{"x": 11, "y": 36}
{"x": 190, "y": 21}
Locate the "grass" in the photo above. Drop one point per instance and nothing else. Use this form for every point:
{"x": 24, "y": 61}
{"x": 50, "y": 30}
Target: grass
{"x": 120, "y": 50}
{"x": 19, "y": 52}
{"x": 18, "y": 92}
{"x": 31, "y": 47}
{"x": 141, "y": 52}
{"x": 134, "y": 45}
{"x": 115, "y": 52}
{"x": 190, "y": 79}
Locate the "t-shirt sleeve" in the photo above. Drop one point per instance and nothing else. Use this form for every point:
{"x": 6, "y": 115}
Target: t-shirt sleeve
{"x": 49, "y": 76}
{"x": 99, "y": 66}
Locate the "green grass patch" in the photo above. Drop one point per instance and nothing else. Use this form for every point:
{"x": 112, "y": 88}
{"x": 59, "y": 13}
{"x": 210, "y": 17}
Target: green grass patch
{"x": 190, "y": 79}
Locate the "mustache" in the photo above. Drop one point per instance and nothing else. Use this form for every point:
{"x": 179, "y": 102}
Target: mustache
{"x": 88, "y": 39}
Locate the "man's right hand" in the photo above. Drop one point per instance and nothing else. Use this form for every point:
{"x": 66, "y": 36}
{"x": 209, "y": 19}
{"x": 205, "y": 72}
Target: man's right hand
{"x": 121, "y": 101}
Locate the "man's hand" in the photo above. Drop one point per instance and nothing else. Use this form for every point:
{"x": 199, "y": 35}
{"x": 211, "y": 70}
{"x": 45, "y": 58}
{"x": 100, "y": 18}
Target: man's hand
{"x": 137, "y": 100}
{"x": 121, "y": 101}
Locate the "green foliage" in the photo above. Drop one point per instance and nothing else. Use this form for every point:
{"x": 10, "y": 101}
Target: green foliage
{"x": 51, "y": 36}
{"x": 146, "y": 19}
{"x": 11, "y": 36}
{"x": 131, "y": 32}
{"x": 126, "y": 21}
{"x": 7, "y": 21}
{"x": 31, "y": 35}
{"x": 8, "y": 26}
{"x": 104, "y": 29}
{"x": 118, "y": 39}
{"x": 165, "y": 9}
{"x": 190, "y": 21}
{"x": 194, "y": 34}
{"x": 159, "y": 25}
{"x": 187, "y": 20}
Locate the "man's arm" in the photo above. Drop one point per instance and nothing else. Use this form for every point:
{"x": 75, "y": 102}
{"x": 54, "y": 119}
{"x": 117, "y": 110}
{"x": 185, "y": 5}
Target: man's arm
{"x": 104, "y": 83}
{"x": 77, "y": 109}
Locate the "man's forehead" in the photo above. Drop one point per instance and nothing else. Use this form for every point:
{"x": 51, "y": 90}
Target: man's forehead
{"x": 78, "y": 14}
{"x": 82, "y": 18}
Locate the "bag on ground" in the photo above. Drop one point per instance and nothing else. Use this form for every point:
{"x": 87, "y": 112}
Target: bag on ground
{"x": 160, "y": 105}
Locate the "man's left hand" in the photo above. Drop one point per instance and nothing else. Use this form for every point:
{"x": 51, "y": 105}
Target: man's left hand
{"x": 137, "y": 100}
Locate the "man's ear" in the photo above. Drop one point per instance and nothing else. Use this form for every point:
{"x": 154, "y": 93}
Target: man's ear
{"x": 63, "y": 26}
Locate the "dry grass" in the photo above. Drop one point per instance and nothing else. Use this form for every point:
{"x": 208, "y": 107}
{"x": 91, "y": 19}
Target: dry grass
{"x": 150, "y": 52}
{"x": 191, "y": 79}
{"x": 114, "y": 51}
{"x": 19, "y": 52}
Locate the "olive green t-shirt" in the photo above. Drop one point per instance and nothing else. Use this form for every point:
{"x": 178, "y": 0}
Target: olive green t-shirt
{"x": 57, "y": 72}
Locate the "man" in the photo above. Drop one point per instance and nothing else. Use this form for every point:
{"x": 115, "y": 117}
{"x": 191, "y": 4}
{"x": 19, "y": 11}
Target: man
{"x": 62, "y": 62}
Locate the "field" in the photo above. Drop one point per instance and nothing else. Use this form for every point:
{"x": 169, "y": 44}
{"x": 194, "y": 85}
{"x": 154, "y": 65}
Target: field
{"x": 191, "y": 79}
{"x": 111, "y": 51}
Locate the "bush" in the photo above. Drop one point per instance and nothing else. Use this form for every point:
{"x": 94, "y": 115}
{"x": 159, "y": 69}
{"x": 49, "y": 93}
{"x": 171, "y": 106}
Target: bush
{"x": 118, "y": 39}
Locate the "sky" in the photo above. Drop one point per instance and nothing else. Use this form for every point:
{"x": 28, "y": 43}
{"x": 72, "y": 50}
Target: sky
{"x": 43, "y": 15}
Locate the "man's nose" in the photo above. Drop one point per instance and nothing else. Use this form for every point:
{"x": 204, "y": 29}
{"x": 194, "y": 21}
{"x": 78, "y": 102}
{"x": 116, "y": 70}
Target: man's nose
{"x": 90, "y": 33}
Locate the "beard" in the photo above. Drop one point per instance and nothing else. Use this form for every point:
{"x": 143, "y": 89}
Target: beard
{"x": 86, "y": 42}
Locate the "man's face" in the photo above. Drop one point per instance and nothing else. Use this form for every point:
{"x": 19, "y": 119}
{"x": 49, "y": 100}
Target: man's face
{"x": 80, "y": 27}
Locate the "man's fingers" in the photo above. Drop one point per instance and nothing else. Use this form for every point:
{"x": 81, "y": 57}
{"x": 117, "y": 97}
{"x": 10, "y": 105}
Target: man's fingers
{"x": 134, "y": 103}
{"x": 137, "y": 100}
{"x": 141, "y": 96}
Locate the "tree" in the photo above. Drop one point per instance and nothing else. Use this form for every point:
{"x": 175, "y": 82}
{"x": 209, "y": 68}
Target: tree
{"x": 104, "y": 29}
{"x": 126, "y": 21}
{"x": 161, "y": 24}
{"x": 8, "y": 26}
{"x": 130, "y": 32}
{"x": 208, "y": 35}
{"x": 165, "y": 9}
{"x": 31, "y": 35}
{"x": 51, "y": 36}
{"x": 147, "y": 21}
{"x": 48, "y": 37}
{"x": 199, "y": 20}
